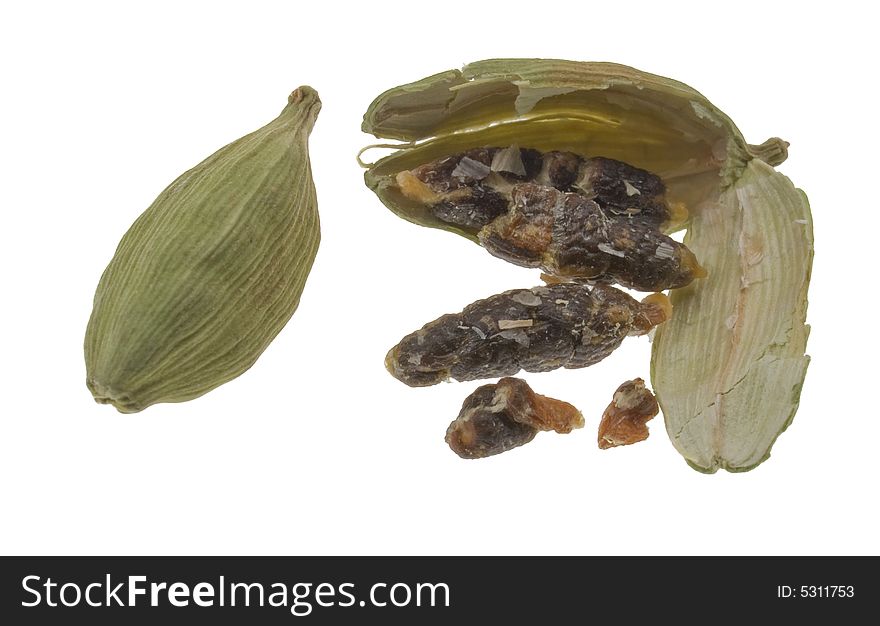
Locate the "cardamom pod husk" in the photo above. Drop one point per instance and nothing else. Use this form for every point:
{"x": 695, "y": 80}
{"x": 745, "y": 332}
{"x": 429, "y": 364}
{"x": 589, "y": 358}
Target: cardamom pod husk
{"x": 728, "y": 367}
{"x": 210, "y": 273}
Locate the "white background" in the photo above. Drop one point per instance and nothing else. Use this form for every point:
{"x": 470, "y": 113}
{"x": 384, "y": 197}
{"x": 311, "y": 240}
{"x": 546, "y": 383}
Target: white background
{"x": 317, "y": 450}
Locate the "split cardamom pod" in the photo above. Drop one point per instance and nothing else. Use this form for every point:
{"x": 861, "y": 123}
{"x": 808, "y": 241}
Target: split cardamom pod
{"x": 210, "y": 273}
{"x": 728, "y": 367}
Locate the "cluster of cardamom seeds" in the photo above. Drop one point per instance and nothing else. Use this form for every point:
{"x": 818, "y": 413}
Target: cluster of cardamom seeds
{"x": 585, "y": 222}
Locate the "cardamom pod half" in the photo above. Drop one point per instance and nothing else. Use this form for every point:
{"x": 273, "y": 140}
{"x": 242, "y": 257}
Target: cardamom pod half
{"x": 728, "y": 367}
{"x": 210, "y": 273}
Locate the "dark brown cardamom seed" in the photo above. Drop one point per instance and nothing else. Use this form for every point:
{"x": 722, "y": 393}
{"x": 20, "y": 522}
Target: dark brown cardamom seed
{"x": 496, "y": 418}
{"x": 537, "y": 330}
{"x": 594, "y": 219}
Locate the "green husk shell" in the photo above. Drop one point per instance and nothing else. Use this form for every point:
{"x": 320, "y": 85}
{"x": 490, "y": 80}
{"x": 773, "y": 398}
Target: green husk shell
{"x": 736, "y": 338}
{"x": 729, "y": 366}
{"x": 210, "y": 273}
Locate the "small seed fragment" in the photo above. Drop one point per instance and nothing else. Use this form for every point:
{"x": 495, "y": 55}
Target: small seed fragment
{"x": 572, "y": 326}
{"x": 499, "y": 417}
{"x": 560, "y": 169}
{"x": 508, "y": 324}
{"x": 625, "y": 420}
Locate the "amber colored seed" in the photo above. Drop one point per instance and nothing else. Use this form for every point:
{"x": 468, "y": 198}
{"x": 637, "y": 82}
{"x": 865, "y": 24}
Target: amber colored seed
{"x": 625, "y": 420}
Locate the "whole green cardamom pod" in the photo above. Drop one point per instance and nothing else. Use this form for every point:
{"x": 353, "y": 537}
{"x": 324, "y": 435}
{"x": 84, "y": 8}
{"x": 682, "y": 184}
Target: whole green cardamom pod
{"x": 210, "y": 273}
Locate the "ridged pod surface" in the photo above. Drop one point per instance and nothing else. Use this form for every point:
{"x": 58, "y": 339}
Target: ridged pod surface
{"x": 210, "y": 273}
{"x": 728, "y": 367}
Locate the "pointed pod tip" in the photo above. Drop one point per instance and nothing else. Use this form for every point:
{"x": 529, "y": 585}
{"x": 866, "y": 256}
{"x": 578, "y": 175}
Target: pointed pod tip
{"x": 303, "y": 106}
{"x": 304, "y": 94}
